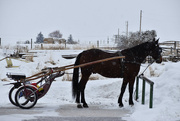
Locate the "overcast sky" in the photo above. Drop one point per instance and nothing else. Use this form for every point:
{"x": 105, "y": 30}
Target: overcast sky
{"x": 87, "y": 20}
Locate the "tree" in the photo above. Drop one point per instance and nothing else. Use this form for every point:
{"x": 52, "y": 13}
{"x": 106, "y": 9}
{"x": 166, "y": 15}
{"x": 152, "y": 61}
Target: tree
{"x": 55, "y": 34}
{"x": 135, "y": 38}
{"x": 40, "y": 38}
{"x": 70, "y": 40}
{"x": 27, "y": 42}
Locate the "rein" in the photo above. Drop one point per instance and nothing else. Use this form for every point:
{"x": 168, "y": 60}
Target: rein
{"x": 147, "y": 67}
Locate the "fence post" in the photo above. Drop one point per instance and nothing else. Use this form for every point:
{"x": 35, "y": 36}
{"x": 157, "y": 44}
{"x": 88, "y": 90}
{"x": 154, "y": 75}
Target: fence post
{"x": 137, "y": 87}
{"x": 98, "y": 44}
{"x": 31, "y": 44}
{"x": 41, "y": 46}
{"x": 151, "y": 95}
{"x": 143, "y": 92}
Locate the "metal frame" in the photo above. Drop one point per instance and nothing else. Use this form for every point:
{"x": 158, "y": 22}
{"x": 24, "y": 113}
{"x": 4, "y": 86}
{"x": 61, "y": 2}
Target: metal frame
{"x": 143, "y": 89}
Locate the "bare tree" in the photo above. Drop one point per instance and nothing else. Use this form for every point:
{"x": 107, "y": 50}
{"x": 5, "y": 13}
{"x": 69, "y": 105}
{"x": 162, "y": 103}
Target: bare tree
{"x": 55, "y": 34}
{"x": 135, "y": 38}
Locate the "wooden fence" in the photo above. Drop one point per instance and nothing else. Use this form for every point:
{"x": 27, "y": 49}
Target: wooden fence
{"x": 171, "y": 51}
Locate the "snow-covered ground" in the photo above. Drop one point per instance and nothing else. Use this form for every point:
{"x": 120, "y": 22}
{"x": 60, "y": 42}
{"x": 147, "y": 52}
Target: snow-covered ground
{"x": 103, "y": 92}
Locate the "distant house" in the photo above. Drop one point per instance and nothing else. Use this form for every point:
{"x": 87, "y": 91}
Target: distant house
{"x": 48, "y": 40}
{"x": 54, "y": 40}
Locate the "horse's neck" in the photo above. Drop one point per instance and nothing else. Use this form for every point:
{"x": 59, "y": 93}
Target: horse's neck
{"x": 137, "y": 54}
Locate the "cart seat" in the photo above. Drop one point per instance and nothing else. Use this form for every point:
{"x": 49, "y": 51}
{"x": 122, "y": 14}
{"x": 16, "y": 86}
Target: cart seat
{"x": 16, "y": 76}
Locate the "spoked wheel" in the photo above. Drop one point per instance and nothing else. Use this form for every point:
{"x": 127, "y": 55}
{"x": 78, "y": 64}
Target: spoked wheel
{"x": 26, "y": 97}
{"x": 12, "y": 93}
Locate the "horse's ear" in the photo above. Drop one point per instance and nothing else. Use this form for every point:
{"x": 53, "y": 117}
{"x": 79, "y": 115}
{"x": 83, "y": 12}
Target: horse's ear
{"x": 154, "y": 40}
{"x": 157, "y": 41}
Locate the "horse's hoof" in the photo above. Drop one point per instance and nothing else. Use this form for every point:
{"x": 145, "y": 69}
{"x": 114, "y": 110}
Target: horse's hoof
{"x": 79, "y": 106}
{"x": 131, "y": 105}
{"x": 85, "y": 106}
{"x": 121, "y": 105}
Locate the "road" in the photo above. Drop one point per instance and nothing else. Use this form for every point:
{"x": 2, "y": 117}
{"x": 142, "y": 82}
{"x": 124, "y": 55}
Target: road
{"x": 67, "y": 112}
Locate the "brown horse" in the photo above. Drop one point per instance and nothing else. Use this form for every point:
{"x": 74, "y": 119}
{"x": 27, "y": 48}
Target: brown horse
{"x": 127, "y": 69}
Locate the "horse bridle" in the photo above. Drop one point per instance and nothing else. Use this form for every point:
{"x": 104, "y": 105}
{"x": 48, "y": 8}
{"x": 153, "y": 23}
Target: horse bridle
{"x": 159, "y": 52}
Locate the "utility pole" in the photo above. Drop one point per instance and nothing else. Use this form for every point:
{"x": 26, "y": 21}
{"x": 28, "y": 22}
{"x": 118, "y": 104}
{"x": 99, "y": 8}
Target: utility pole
{"x": 118, "y": 32}
{"x": 140, "y": 22}
{"x": 118, "y": 37}
{"x": 127, "y": 29}
{"x": 108, "y": 40}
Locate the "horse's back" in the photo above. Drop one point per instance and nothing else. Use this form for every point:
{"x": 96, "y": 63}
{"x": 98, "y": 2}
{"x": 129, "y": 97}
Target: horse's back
{"x": 110, "y": 68}
{"x": 97, "y": 54}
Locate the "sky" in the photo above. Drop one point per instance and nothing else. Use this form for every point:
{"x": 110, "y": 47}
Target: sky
{"x": 87, "y": 20}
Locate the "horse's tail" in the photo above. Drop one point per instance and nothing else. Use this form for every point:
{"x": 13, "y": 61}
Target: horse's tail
{"x": 75, "y": 78}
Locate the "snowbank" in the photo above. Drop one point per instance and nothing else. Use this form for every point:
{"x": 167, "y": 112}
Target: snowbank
{"x": 166, "y": 95}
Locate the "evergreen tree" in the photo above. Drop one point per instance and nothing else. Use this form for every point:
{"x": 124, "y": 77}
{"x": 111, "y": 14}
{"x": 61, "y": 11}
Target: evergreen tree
{"x": 70, "y": 40}
{"x": 40, "y": 38}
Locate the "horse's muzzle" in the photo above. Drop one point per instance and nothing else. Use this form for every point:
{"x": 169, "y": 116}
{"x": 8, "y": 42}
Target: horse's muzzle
{"x": 159, "y": 60}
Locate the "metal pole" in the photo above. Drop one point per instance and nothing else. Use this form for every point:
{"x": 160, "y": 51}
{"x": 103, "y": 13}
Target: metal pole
{"x": 143, "y": 92}
{"x": 151, "y": 96}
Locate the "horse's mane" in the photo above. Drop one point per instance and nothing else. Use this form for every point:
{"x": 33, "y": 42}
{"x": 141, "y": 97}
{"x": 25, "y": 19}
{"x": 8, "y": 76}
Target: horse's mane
{"x": 137, "y": 47}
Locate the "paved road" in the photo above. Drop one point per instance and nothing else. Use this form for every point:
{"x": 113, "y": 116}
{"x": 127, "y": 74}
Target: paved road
{"x": 77, "y": 119}
{"x": 69, "y": 113}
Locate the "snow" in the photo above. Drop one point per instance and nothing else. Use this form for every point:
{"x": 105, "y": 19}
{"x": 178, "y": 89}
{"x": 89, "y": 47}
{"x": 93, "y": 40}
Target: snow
{"x": 102, "y": 92}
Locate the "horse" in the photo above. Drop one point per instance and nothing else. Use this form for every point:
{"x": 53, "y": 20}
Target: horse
{"x": 127, "y": 68}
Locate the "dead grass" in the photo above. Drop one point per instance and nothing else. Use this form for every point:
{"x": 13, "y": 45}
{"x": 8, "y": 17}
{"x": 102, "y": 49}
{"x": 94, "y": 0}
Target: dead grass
{"x": 30, "y": 58}
{"x": 67, "y": 77}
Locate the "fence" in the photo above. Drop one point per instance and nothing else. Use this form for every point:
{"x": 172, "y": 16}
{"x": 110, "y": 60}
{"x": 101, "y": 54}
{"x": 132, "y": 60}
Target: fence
{"x": 170, "y": 51}
{"x": 143, "y": 89}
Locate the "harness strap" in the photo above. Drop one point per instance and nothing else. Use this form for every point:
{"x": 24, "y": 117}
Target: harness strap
{"x": 122, "y": 64}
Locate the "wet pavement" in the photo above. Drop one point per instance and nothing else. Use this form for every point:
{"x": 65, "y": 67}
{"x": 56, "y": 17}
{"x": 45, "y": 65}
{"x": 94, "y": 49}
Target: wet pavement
{"x": 66, "y": 113}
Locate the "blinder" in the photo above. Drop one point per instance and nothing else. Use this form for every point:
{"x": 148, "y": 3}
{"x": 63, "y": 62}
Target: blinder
{"x": 158, "y": 51}
{"x": 159, "y": 58}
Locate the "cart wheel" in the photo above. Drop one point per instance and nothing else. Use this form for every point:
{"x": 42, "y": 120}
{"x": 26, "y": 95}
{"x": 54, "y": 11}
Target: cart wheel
{"x": 26, "y": 97}
{"x": 12, "y": 93}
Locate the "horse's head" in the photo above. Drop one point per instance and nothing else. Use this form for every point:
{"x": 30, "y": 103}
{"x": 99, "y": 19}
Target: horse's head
{"x": 155, "y": 51}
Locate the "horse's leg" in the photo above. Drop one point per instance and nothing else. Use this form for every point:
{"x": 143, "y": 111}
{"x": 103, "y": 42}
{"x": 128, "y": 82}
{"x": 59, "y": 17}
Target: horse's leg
{"x": 78, "y": 97}
{"x": 81, "y": 88}
{"x": 131, "y": 87}
{"x": 123, "y": 88}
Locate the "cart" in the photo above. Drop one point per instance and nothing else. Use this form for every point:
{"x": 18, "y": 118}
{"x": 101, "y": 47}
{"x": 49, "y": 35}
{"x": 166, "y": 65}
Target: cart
{"x": 25, "y": 93}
